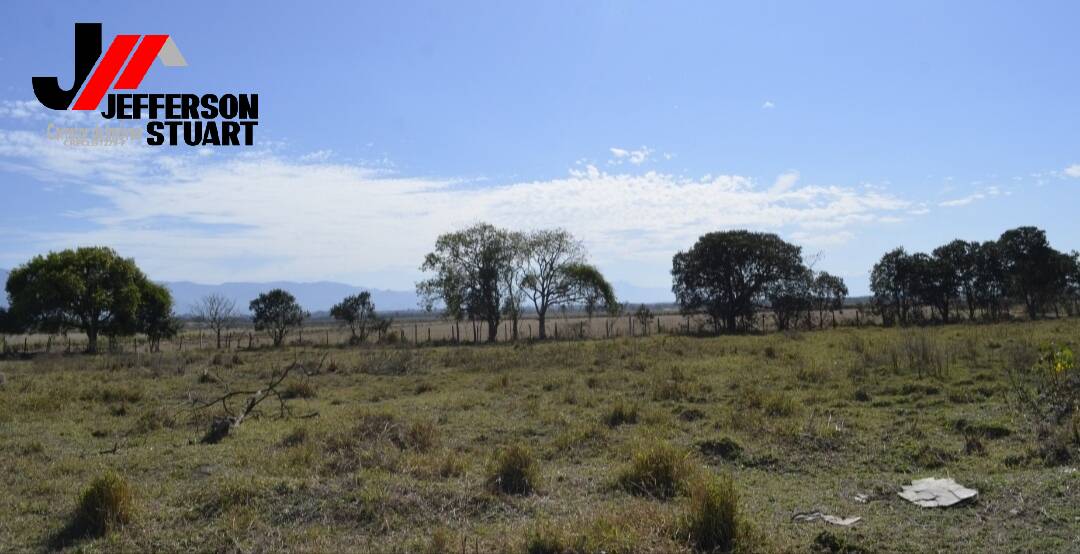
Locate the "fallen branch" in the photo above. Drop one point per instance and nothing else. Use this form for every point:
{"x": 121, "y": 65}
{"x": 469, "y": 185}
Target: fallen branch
{"x": 223, "y": 425}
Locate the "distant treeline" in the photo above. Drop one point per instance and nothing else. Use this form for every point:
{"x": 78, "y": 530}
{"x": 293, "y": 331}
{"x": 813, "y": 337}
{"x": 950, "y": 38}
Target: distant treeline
{"x": 486, "y": 274}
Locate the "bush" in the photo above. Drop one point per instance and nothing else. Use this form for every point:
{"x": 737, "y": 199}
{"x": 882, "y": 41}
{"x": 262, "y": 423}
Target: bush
{"x": 712, "y": 519}
{"x": 621, "y": 413}
{"x": 422, "y": 436}
{"x": 513, "y": 471}
{"x": 659, "y": 470}
{"x": 298, "y": 389}
{"x": 105, "y": 506}
{"x": 780, "y": 405}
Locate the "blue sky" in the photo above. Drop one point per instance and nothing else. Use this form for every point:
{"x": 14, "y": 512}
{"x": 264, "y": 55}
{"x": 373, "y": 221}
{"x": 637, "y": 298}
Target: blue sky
{"x": 847, "y": 127}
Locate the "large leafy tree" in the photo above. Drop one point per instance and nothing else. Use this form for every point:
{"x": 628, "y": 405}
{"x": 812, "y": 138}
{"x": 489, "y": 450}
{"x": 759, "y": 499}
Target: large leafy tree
{"x": 556, "y": 274}
{"x": 829, "y": 292}
{"x": 725, "y": 274}
{"x": 991, "y": 282}
{"x": 91, "y": 289}
{"x": 960, "y": 260}
{"x": 277, "y": 313}
{"x": 155, "y": 316}
{"x": 1037, "y": 273}
{"x": 358, "y": 313}
{"x": 934, "y": 283}
{"x": 891, "y": 281}
{"x": 792, "y": 299}
{"x": 469, "y": 266}
{"x": 8, "y": 325}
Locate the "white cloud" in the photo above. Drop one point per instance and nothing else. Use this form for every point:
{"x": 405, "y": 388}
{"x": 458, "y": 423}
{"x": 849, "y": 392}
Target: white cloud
{"x": 1073, "y": 170}
{"x": 988, "y": 192}
{"x": 636, "y": 157}
{"x": 785, "y": 181}
{"x": 263, "y": 215}
{"x": 317, "y": 156}
{"x": 768, "y": 105}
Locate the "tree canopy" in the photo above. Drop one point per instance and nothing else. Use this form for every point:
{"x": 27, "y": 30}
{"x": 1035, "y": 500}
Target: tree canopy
{"x": 726, "y": 274}
{"x": 91, "y": 289}
{"x": 358, "y": 313}
{"x": 1019, "y": 268}
{"x": 277, "y": 313}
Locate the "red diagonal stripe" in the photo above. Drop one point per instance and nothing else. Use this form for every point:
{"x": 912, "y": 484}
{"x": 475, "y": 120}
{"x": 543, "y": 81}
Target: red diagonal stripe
{"x": 106, "y": 71}
{"x": 140, "y": 62}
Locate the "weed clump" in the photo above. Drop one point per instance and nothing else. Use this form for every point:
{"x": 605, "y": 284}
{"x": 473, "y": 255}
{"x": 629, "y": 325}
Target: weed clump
{"x": 105, "y": 506}
{"x": 724, "y": 448}
{"x": 513, "y": 471}
{"x": 298, "y": 389}
{"x": 659, "y": 470}
{"x": 712, "y": 520}
{"x": 621, "y": 413}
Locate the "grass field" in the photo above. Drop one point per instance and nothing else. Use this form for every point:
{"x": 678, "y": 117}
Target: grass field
{"x": 613, "y": 443}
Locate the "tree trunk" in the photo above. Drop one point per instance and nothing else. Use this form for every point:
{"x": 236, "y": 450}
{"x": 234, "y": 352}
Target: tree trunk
{"x": 541, "y": 317}
{"x": 91, "y": 340}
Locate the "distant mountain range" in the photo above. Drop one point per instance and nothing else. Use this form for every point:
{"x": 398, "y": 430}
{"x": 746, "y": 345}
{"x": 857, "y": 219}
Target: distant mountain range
{"x": 314, "y": 297}
{"x": 320, "y": 296}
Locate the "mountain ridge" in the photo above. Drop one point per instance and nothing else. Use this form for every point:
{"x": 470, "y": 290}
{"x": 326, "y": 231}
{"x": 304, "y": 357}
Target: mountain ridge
{"x": 319, "y": 296}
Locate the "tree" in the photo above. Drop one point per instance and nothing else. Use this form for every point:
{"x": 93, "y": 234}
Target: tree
{"x": 8, "y": 325}
{"x": 726, "y": 273}
{"x": 960, "y": 259}
{"x": 556, "y": 274}
{"x": 91, "y": 288}
{"x": 1072, "y": 290}
{"x": 512, "y": 276}
{"x": 891, "y": 282}
{"x": 933, "y": 283}
{"x": 644, "y": 316}
{"x": 358, "y": 313}
{"x": 155, "y": 316}
{"x": 1036, "y": 272}
{"x": 470, "y": 266}
{"x": 791, "y": 299}
{"x": 829, "y": 292}
{"x": 276, "y": 312}
{"x": 217, "y": 312}
{"x": 990, "y": 286}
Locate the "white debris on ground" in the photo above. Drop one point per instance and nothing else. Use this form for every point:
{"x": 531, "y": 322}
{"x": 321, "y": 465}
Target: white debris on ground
{"x": 835, "y": 520}
{"x": 936, "y": 493}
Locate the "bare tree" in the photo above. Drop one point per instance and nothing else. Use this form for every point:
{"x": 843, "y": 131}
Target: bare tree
{"x": 555, "y": 274}
{"x": 217, "y": 311}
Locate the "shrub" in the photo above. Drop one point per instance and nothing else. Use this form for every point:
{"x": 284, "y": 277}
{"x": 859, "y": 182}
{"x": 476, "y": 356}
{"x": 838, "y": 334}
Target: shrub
{"x": 780, "y": 405}
{"x": 297, "y": 437}
{"x": 298, "y": 389}
{"x": 712, "y": 519}
{"x": 513, "y": 471}
{"x": 422, "y": 436}
{"x": 621, "y": 413}
{"x": 659, "y": 470}
{"x": 105, "y": 506}
{"x": 450, "y": 464}
{"x": 114, "y": 394}
{"x": 545, "y": 539}
{"x": 725, "y": 448}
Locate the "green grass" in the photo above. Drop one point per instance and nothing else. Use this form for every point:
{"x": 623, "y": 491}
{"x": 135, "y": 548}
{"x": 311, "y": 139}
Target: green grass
{"x": 400, "y": 445}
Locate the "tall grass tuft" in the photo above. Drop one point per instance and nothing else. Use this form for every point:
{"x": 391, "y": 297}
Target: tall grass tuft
{"x": 659, "y": 470}
{"x": 514, "y": 471}
{"x": 711, "y": 521}
{"x": 105, "y": 506}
